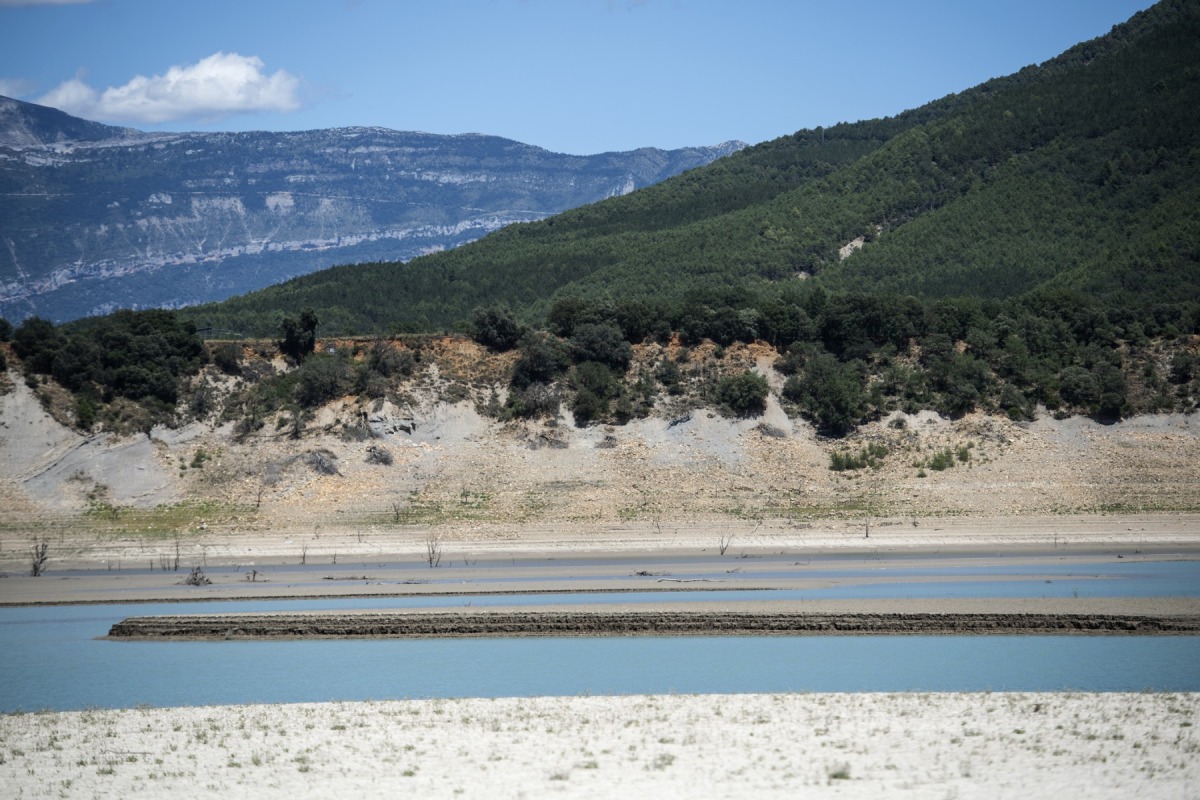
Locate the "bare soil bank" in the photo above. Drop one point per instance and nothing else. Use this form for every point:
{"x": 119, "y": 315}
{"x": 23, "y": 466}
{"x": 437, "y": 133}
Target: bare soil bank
{"x": 611, "y": 559}
{"x": 631, "y": 623}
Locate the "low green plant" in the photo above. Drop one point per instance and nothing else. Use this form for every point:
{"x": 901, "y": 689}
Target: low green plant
{"x": 871, "y": 456}
{"x": 941, "y": 460}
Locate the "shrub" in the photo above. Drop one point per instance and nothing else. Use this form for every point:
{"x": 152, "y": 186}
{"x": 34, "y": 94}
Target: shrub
{"x": 85, "y": 414}
{"x": 1183, "y": 368}
{"x": 830, "y": 393}
{"x": 299, "y": 337}
{"x": 227, "y": 358}
{"x": 602, "y": 343}
{"x": 197, "y": 578}
{"x": 568, "y": 313}
{"x": 533, "y": 401}
{"x": 321, "y": 380}
{"x": 595, "y": 386}
{"x": 379, "y": 455}
{"x": 388, "y": 361}
{"x": 870, "y": 456}
{"x": 37, "y": 341}
{"x": 941, "y": 460}
{"x": 668, "y": 374}
{"x": 744, "y": 394}
{"x": 496, "y": 328}
{"x": 543, "y": 359}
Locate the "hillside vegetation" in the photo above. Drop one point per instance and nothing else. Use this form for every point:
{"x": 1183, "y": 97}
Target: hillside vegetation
{"x": 1081, "y": 174}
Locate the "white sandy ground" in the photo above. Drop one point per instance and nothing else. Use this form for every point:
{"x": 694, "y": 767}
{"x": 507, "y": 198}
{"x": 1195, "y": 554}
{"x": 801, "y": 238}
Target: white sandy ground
{"x": 972, "y": 745}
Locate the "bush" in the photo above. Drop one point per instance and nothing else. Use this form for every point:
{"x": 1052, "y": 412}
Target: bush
{"x": 85, "y": 414}
{"x": 667, "y": 373}
{"x": 531, "y": 402}
{"x": 227, "y": 358}
{"x": 382, "y": 363}
{"x": 941, "y": 460}
{"x": 1183, "y": 368}
{"x": 299, "y": 337}
{"x": 830, "y": 394}
{"x": 496, "y": 328}
{"x": 321, "y": 380}
{"x": 379, "y": 455}
{"x": 744, "y": 394}
{"x": 36, "y": 342}
{"x": 568, "y": 313}
{"x": 543, "y": 359}
{"x": 388, "y": 361}
{"x": 602, "y": 343}
{"x": 870, "y": 456}
{"x": 595, "y": 386}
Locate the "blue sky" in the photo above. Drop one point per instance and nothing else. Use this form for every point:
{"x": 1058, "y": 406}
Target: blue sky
{"x": 575, "y": 76}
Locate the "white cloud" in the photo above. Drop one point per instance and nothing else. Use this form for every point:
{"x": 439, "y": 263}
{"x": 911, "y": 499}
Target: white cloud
{"x": 213, "y": 88}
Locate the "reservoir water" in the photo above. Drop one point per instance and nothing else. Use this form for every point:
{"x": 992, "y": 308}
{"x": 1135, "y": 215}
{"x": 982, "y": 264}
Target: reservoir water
{"x": 51, "y": 658}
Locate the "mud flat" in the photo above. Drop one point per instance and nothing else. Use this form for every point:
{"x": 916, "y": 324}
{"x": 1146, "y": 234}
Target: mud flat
{"x": 636, "y": 557}
{"x": 640, "y": 622}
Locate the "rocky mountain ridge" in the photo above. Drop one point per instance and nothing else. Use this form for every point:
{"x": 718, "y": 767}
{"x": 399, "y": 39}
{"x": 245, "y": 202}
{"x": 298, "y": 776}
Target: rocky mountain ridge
{"x": 96, "y": 217}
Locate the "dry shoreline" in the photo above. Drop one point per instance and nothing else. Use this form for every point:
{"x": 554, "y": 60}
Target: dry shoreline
{"x": 569, "y": 557}
{"x": 908, "y": 745}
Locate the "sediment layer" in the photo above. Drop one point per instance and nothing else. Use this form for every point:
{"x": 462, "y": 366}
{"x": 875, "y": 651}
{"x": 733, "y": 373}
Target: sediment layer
{"x": 635, "y": 623}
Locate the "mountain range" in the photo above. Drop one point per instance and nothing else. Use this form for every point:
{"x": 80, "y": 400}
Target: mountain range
{"x": 94, "y": 217}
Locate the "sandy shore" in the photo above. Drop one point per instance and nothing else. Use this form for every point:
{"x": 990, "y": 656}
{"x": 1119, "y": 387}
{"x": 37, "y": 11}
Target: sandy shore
{"x": 811, "y": 745}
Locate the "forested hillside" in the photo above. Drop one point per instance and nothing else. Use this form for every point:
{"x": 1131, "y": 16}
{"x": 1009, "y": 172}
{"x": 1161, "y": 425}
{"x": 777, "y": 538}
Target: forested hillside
{"x": 1082, "y": 173}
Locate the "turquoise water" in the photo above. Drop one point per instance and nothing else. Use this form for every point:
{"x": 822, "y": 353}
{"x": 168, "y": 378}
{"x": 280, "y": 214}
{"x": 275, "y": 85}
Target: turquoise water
{"x": 51, "y": 658}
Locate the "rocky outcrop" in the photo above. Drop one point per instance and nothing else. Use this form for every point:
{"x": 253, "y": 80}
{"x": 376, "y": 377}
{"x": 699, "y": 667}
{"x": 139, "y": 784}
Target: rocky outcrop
{"x": 96, "y": 218}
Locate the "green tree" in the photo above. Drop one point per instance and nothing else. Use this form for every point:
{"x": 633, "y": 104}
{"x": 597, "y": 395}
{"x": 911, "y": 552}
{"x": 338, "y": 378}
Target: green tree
{"x": 496, "y": 329}
{"x": 595, "y": 386}
{"x": 299, "y": 337}
{"x": 829, "y": 393}
{"x": 320, "y": 380}
{"x": 37, "y": 342}
{"x": 603, "y": 343}
{"x": 543, "y": 359}
{"x": 745, "y": 394}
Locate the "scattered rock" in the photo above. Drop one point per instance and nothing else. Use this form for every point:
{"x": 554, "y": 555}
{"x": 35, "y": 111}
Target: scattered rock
{"x": 379, "y": 455}
{"x": 323, "y": 461}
